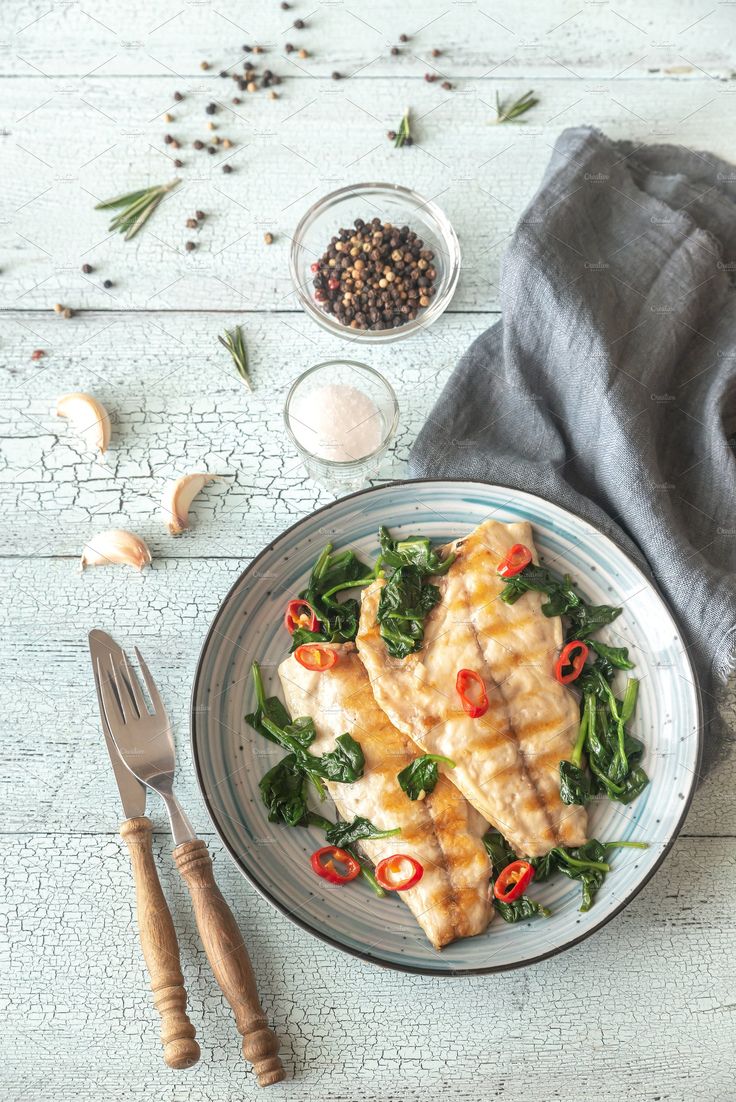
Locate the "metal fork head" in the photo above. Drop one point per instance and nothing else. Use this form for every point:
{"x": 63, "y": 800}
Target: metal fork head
{"x": 144, "y": 738}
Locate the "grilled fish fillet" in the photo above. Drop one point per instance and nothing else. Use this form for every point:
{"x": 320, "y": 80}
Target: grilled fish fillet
{"x": 442, "y": 831}
{"x": 507, "y": 762}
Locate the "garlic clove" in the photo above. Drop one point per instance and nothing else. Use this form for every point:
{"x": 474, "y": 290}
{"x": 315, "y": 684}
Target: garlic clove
{"x": 88, "y": 417}
{"x": 178, "y": 495}
{"x": 115, "y": 545}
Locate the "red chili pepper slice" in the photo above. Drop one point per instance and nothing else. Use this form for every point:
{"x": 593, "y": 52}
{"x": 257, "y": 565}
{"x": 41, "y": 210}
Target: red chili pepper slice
{"x": 513, "y": 881}
{"x": 314, "y": 657}
{"x": 472, "y": 691}
{"x": 300, "y": 614}
{"x": 569, "y": 665}
{"x": 323, "y": 862}
{"x": 399, "y": 872}
{"x": 518, "y": 557}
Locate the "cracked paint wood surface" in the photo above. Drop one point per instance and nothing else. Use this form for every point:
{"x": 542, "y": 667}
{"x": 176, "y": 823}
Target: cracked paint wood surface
{"x": 641, "y": 1011}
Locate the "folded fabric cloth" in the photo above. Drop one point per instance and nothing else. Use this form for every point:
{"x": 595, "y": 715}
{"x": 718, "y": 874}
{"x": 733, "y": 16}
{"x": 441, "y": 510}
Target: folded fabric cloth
{"x": 609, "y": 386}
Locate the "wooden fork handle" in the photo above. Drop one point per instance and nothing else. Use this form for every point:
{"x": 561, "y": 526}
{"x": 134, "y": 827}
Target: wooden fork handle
{"x": 229, "y": 960}
{"x": 160, "y": 948}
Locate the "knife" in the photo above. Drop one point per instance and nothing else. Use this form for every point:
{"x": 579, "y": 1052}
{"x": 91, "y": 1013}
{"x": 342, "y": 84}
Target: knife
{"x": 155, "y": 924}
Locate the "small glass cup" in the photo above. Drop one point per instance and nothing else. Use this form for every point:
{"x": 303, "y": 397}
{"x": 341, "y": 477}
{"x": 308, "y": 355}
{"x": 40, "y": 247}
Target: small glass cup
{"x": 332, "y": 447}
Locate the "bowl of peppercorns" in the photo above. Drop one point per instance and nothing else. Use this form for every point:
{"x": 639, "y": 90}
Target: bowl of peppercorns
{"x": 374, "y": 262}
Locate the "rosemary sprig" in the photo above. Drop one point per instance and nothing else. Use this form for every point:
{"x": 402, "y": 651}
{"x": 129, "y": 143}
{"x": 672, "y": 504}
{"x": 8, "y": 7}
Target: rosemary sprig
{"x": 403, "y": 134}
{"x": 136, "y": 208}
{"x": 233, "y": 341}
{"x": 511, "y": 110}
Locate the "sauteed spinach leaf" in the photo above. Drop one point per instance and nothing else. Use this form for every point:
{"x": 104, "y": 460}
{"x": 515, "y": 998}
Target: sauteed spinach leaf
{"x": 588, "y": 863}
{"x": 284, "y": 787}
{"x": 331, "y": 574}
{"x": 613, "y": 754}
{"x": 420, "y": 777}
{"x": 407, "y": 598}
{"x": 501, "y": 855}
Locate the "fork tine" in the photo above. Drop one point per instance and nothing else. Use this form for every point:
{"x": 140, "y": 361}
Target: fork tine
{"x": 134, "y": 687}
{"x": 125, "y": 704}
{"x": 156, "y": 701}
{"x": 109, "y": 702}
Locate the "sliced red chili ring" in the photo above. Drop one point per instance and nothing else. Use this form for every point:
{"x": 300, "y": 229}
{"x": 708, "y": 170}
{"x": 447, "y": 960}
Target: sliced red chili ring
{"x": 472, "y": 691}
{"x": 399, "y": 872}
{"x": 513, "y": 881}
{"x": 514, "y": 562}
{"x": 323, "y": 862}
{"x": 315, "y": 657}
{"x": 569, "y": 665}
{"x": 300, "y": 614}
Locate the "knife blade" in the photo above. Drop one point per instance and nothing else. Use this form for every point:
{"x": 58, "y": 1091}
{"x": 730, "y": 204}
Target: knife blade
{"x": 132, "y": 791}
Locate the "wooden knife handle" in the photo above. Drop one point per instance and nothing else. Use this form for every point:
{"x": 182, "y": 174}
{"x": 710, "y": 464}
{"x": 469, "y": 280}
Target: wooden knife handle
{"x": 229, "y": 960}
{"x": 160, "y": 948}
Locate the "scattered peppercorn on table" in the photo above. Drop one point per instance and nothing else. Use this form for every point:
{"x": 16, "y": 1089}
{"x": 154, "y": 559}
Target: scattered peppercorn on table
{"x": 258, "y": 114}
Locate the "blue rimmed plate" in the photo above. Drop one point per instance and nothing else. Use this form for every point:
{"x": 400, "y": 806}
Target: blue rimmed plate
{"x": 230, "y": 758}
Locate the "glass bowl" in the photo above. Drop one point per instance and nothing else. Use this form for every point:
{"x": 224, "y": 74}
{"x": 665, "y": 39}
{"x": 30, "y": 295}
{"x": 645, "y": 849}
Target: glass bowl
{"x": 392, "y": 203}
{"x": 332, "y": 445}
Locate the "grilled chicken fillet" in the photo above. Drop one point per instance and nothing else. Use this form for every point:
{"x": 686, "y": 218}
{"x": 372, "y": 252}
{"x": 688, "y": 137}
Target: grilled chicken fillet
{"x": 507, "y": 761}
{"x": 442, "y": 831}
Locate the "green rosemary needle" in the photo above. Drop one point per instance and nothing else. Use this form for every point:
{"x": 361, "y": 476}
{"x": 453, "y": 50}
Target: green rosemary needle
{"x": 233, "y": 341}
{"x": 403, "y": 134}
{"x": 511, "y": 110}
{"x": 135, "y": 208}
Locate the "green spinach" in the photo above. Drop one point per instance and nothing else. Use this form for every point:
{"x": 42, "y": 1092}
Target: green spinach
{"x": 420, "y": 777}
{"x": 407, "y": 598}
{"x": 501, "y": 855}
{"x": 346, "y": 834}
{"x": 330, "y": 575}
{"x": 612, "y": 753}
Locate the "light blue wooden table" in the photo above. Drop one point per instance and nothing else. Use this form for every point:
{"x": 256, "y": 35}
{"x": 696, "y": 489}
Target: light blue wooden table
{"x": 644, "y": 1010}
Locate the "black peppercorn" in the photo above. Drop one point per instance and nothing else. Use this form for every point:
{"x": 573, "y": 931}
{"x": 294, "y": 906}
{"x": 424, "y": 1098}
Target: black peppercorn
{"x": 211, "y": 108}
{"x": 198, "y": 144}
{"x": 211, "y": 149}
{"x": 199, "y": 215}
{"x": 391, "y": 135}
{"x": 178, "y": 97}
{"x": 289, "y": 48}
{"x": 336, "y": 75}
{"x": 190, "y": 245}
{"x": 178, "y": 163}
{"x": 403, "y": 38}
{"x": 284, "y": 5}
{"x": 446, "y": 85}
{"x": 168, "y": 139}
{"x": 227, "y": 168}
{"x": 107, "y": 284}
{"x": 87, "y": 268}
{"x": 395, "y": 50}
{"x": 299, "y": 24}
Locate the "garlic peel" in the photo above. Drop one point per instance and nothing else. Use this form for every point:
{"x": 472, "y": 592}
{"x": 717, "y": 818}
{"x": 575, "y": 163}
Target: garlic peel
{"x": 88, "y": 417}
{"x": 178, "y": 495}
{"x": 116, "y": 545}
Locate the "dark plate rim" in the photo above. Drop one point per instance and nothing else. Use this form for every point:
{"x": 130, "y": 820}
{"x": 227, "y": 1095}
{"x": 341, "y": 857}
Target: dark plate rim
{"x": 264, "y": 891}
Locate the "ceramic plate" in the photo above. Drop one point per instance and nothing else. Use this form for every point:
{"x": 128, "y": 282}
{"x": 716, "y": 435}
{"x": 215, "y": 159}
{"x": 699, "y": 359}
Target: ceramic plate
{"x": 230, "y": 758}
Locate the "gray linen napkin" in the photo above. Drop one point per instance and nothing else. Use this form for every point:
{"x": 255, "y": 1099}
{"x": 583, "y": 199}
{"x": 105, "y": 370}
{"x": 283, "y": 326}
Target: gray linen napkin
{"x": 609, "y": 386}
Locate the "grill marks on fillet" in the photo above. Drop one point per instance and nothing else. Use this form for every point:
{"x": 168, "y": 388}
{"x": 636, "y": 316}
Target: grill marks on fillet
{"x": 443, "y": 832}
{"x": 507, "y": 761}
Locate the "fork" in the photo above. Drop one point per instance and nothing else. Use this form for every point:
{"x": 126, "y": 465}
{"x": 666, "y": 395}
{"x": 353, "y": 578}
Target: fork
{"x": 146, "y": 745}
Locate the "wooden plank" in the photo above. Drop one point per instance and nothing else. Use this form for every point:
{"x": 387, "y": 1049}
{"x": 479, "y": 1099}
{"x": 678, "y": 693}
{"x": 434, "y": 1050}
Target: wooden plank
{"x": 177, "y": 404}
{"x": 522, "y": 41}
{"x": 56, "y": 775}
{"x": 320, "y": 135}
{"x": 640, "y": 1012}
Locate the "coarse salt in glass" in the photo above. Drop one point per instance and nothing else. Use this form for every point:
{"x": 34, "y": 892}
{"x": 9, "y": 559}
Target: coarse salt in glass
{"x": 342, "y": 416}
